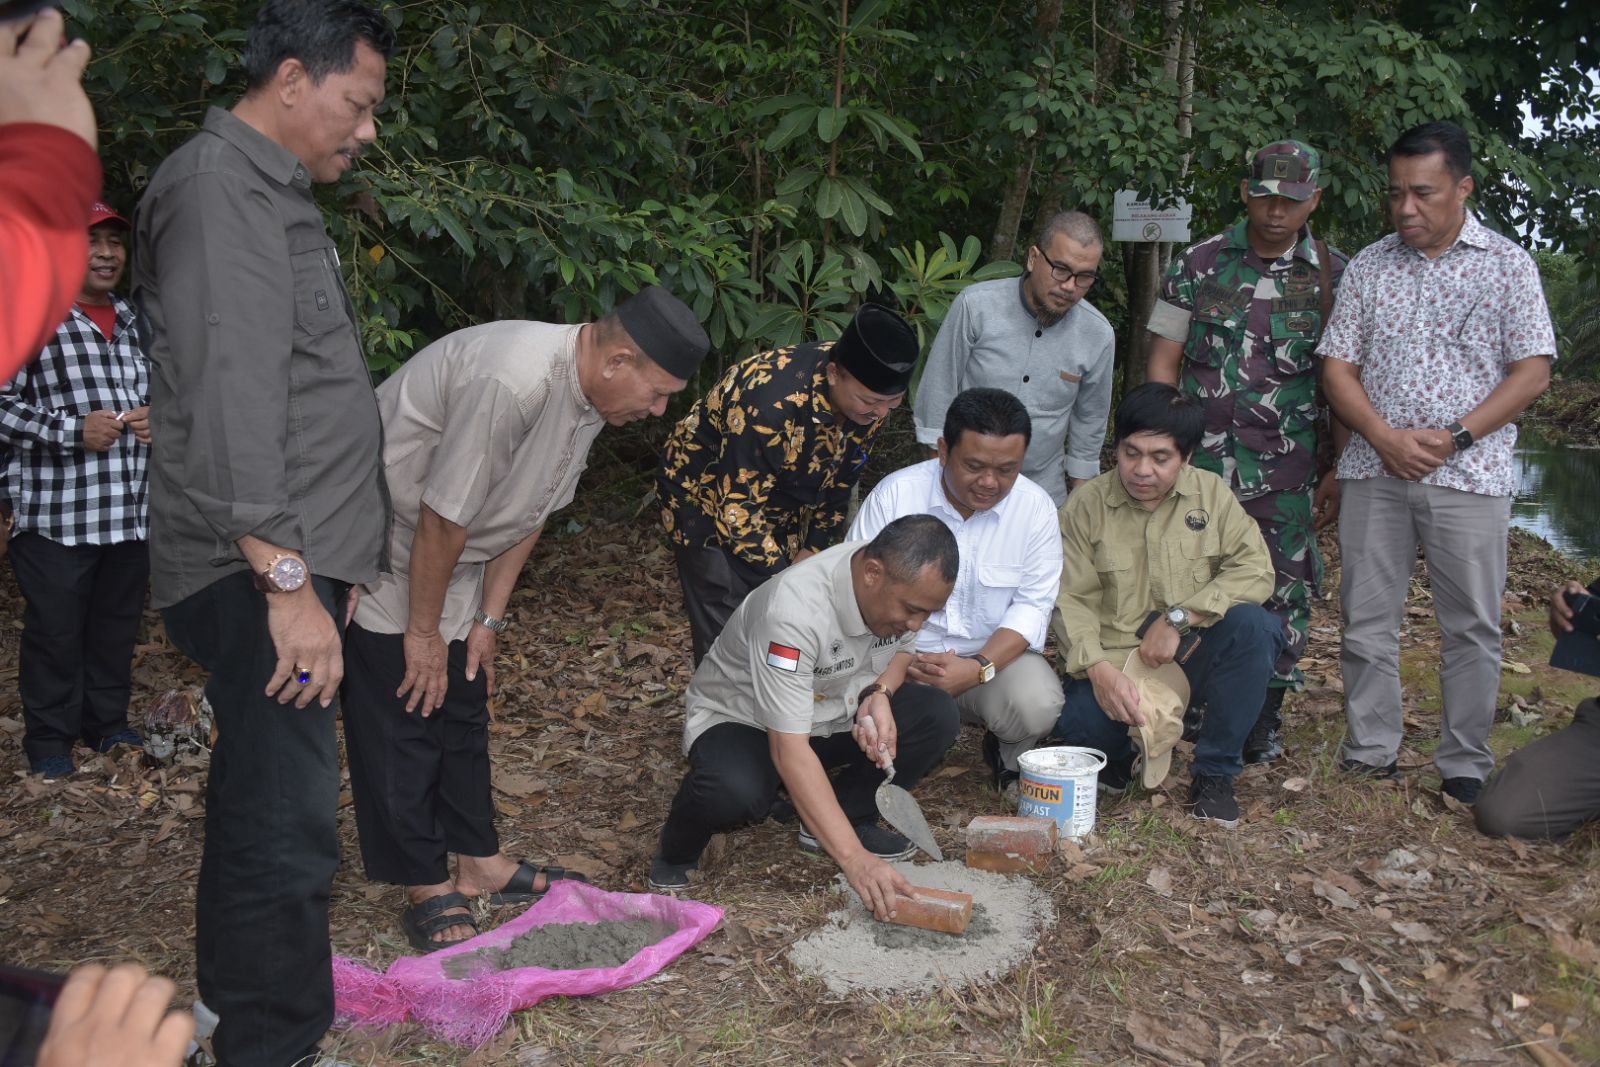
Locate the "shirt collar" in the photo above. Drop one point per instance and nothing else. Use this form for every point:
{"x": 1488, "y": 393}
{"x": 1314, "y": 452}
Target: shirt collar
{"x": 1304, "y": 247}
{"x": 939, "y": 502}
{"x": 846, "y": 610}
{"x": 1474, "y": 233}
{"x": 569, "y": 362}
{"x": 821, "y": 409}
{"x": 1187, "y": 485}
{"x": 1022, "y": 298}
{"x": 270, "y": 157}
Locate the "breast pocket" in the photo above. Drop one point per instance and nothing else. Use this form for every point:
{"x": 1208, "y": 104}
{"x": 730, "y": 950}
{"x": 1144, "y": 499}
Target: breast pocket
{"x": 998, "y": 583}
{"x": 1194, "y": 562}
{"x": 318, "y": 293}
{"x": 1293, "y": 335}
{"x": 1120, "y": 595}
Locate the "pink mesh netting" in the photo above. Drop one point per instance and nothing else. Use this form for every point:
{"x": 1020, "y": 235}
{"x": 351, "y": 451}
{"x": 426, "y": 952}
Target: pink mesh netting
{"x": 473, "y": 1010}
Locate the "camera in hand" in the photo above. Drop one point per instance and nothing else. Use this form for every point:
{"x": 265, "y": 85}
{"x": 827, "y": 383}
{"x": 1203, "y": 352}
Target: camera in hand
{"x": 1580, "y": 649}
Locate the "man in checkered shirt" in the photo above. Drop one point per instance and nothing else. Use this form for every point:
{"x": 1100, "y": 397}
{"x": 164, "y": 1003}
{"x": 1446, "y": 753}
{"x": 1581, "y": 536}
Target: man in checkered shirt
{"x": 76, "y": 423}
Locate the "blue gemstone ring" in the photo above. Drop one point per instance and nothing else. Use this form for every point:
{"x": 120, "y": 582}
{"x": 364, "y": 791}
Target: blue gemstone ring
{"x": 303, "y": 677}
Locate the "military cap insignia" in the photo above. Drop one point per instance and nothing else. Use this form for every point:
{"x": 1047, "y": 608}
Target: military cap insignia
{"x": 1280, "y": 168}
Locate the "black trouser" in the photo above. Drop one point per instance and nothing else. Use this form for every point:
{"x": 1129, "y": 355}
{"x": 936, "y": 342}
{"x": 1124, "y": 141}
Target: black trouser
{"x": 714, "y": 584}
{"x": 261, "y": 908}
{"x": 79, "y": 625}
{"x": 732, "y": 781}
{"x": 421, "y": 785}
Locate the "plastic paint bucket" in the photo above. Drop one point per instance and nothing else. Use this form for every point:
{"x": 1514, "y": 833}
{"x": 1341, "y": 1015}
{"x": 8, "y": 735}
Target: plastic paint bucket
{"x": 1059, "y": 783}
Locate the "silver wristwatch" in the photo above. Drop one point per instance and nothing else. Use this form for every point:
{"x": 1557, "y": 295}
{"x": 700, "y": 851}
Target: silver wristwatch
{"x": 497, "y": 625}
{"x": 1178, "y": 619}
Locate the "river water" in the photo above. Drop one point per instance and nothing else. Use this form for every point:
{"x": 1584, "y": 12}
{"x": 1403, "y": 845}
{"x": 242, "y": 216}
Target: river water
{"x": 1558, "y": 494}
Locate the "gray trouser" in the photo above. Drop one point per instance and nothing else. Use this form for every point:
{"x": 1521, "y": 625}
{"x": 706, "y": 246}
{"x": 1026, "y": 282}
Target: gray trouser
{"x": 1020, "y": 706}
{"x": 1381, "y": 522}
{"x": 1551, "y": 787}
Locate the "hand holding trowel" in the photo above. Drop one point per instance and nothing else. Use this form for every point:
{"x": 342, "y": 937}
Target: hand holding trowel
{"x": 898, "y": 807}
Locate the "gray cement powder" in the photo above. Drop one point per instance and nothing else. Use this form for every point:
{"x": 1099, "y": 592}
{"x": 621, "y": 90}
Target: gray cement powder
{"x": 853, "y": 951}
{"x": 562, "y": 947}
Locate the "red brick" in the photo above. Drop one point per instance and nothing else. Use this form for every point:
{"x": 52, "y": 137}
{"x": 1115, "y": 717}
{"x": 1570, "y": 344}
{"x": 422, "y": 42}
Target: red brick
{"x": 1004, "y": 862}
{"x": 934, "y": 909}
{"x": 1014, "y": 835}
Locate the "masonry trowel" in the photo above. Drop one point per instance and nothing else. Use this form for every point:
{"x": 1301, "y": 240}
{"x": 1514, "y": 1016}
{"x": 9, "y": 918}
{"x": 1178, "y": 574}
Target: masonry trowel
{"x": 901, "y": 811}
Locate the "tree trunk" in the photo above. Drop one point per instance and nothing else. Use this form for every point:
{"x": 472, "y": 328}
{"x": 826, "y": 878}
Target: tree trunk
{"x": 1003, "y": 245}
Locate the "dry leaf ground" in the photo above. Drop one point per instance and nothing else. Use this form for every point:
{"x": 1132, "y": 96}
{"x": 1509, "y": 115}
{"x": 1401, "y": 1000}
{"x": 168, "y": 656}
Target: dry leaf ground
{"x": 1340, "y": 923}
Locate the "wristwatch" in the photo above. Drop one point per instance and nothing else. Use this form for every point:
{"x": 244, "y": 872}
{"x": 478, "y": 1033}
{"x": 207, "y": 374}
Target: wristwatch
{"x": 985, "y": 668}
{"x": 875, "y": 687}
{"x": 1460, "y": 435}
{"x": 1178, "y": 619}
{"x": 497, "y": 625}
{"x": 284, "y": 573}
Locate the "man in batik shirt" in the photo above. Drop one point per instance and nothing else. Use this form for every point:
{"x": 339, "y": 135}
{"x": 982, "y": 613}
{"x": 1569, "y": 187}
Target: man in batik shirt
{"x": 1235, "y": 326}
{"x": 758, "y": 475}
{"x": 1441, "y": 338}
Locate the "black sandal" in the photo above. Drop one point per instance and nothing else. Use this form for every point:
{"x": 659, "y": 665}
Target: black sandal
{"x": 519, "y": 889}
{"x": 426, "y": 918}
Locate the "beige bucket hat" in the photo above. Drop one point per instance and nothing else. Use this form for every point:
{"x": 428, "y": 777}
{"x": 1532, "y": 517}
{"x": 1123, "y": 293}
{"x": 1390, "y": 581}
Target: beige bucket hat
{"x": 1163, "y": 696}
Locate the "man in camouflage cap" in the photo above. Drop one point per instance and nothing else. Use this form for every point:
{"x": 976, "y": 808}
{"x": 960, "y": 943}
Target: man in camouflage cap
{"x": 1235, "y": 325}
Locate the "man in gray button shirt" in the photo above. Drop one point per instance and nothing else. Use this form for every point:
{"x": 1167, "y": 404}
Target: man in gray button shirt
{"x": 267, "y": 499}
{"x": 1039, "y": 340}
{"x": 485, "y": 434}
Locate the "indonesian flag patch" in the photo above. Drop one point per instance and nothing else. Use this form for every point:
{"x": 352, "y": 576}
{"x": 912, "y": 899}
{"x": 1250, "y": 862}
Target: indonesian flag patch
{"x": 783, "y": 657}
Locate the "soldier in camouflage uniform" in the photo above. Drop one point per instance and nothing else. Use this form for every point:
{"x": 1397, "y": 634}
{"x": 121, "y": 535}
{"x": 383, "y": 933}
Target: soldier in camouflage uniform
{"x": 1237, "y": 320}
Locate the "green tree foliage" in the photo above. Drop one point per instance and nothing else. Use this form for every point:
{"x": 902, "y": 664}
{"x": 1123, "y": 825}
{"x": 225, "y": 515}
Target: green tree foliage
{"x": 776, "y": 162}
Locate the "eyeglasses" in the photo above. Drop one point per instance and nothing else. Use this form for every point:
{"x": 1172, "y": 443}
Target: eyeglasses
{"x": 1062, "y": 272}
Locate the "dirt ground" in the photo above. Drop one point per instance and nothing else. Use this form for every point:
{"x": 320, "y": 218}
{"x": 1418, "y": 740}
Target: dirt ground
{"x": 1339, "y": 924}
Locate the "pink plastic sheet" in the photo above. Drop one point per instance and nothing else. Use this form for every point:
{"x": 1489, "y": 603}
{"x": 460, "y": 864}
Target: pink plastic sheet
{"x": 471, "y": 1011}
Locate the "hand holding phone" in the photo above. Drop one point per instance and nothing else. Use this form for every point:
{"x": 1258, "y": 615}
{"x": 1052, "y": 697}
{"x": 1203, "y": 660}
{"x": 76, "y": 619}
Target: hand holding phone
{"x": 116, "y": 1018}
{"x": 40, "y": 79}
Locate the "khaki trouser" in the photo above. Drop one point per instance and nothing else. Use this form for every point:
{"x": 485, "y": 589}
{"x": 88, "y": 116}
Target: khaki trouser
{"x": 1550, "y": 788}
{"x": 1020, "y": 706}
{"x": 1463, "y": 535}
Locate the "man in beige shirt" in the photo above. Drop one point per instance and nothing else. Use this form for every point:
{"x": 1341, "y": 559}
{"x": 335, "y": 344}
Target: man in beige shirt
{"x": 485, "y": 434}
{"x": 806, "y": 688}
{"x": 1160, "y": 556}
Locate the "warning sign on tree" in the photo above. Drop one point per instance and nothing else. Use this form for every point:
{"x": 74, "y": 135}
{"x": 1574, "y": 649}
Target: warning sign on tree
{"x": 1136, "y": 220}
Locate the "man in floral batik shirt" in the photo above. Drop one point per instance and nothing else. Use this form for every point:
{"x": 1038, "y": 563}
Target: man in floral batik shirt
{"x": 1440, "y": 338}
{"x": 758, "y": 475}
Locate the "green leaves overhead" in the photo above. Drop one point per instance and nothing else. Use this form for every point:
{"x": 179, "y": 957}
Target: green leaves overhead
{"x": 776, "y": 162}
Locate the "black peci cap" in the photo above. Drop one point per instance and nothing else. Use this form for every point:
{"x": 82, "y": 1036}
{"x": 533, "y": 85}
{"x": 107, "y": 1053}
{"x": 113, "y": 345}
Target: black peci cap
{"x": 665, "y": 330}
{"x": 879, "y": 349}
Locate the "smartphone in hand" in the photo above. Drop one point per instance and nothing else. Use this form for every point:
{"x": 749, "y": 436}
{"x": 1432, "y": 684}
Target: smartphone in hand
{"x": 26, "y": 999}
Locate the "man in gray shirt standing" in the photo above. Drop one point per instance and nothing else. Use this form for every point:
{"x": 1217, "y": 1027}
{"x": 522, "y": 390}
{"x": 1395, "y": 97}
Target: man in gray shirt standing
{"x": 267, "y": 499}
{"x": 1038, "y": 339}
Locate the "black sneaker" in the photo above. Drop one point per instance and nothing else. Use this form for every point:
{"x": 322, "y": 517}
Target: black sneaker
{"x": 668, "y": 877}
{"x": 1265, "y": 742}
{"x": 1463, "y": 789}
{"x": 1357, "y": 769}
{"x": 1113, "y": 780}
{"x": 880, "y": 841}
{"x": 130, "y": 738}
{"x": 1192, "y": 717}
{"x": 54, "y": 767}
{"x": 1211, "y": 799}
{"x": 783, "y": 811}
{"x": 1003, "y": 778}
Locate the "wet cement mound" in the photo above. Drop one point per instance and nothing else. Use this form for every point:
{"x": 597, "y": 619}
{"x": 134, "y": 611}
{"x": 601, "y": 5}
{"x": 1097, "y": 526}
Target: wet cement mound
{"x": 562, "y": 947}
{"x": 853, "y": 951}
